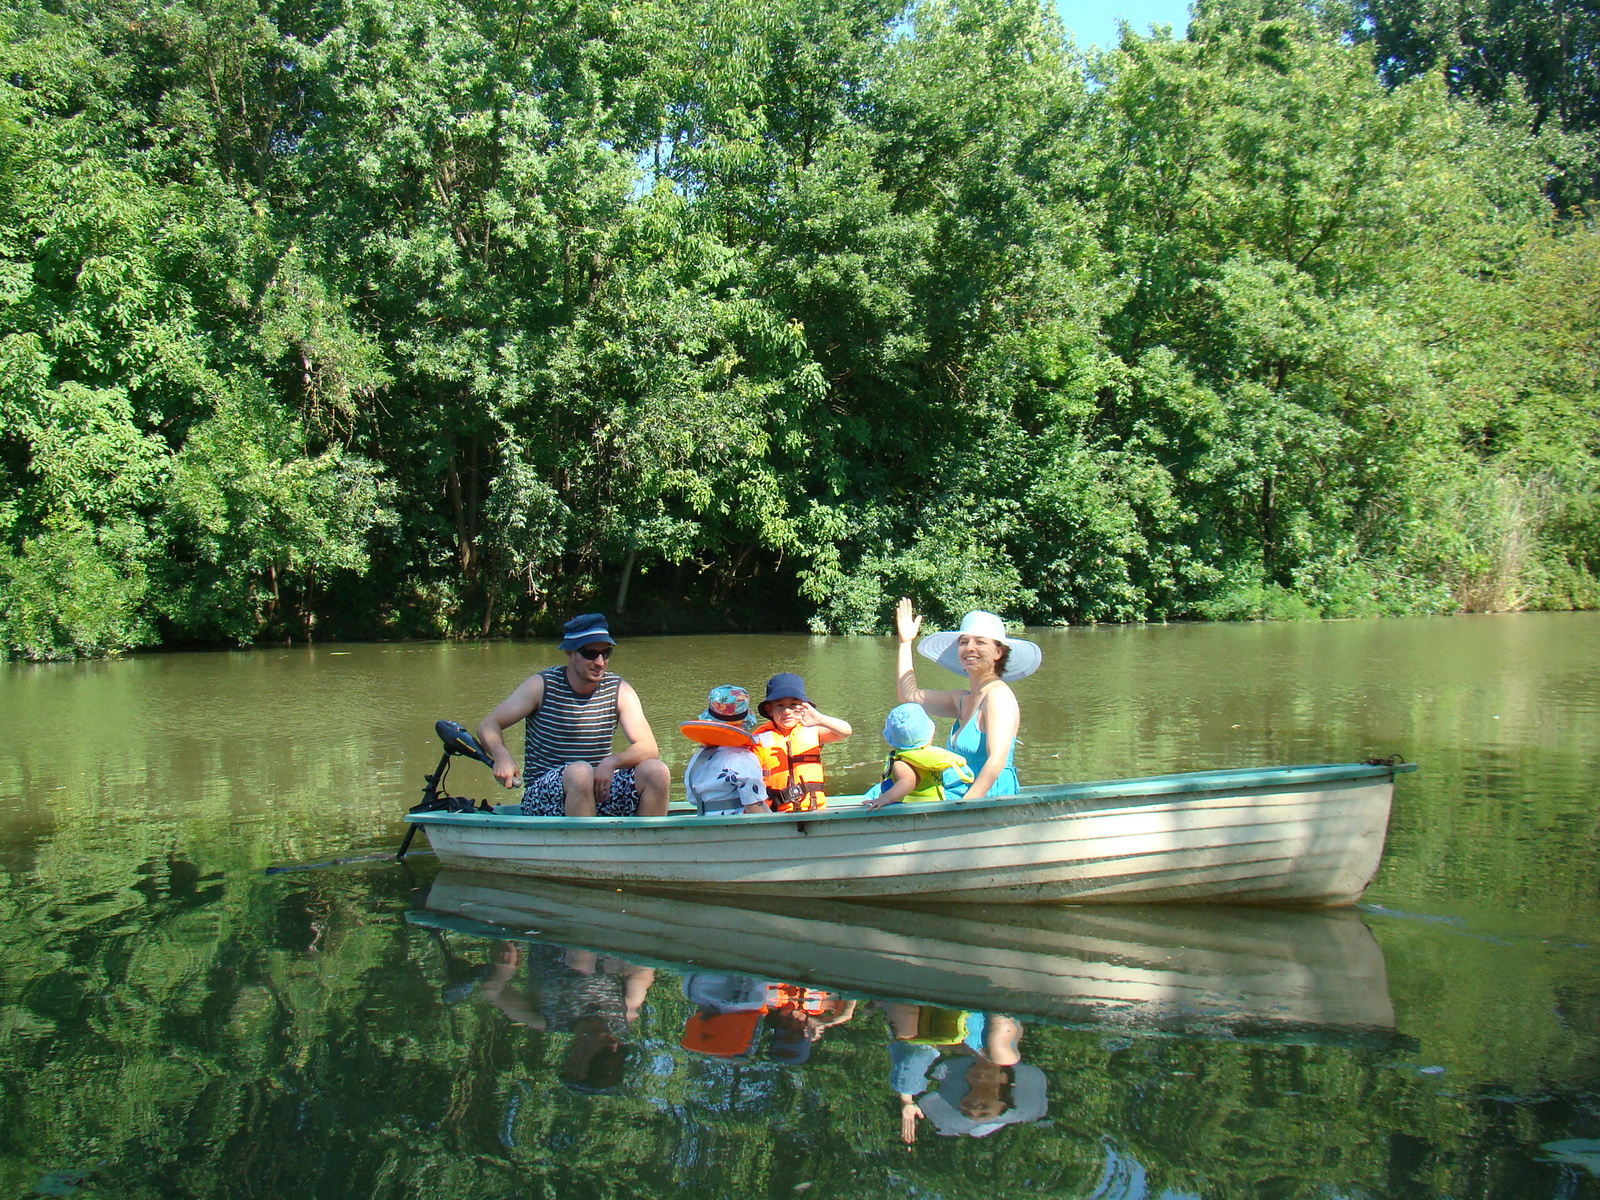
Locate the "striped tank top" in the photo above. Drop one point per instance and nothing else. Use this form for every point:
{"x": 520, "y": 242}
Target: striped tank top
{"x": 567, "y": 727}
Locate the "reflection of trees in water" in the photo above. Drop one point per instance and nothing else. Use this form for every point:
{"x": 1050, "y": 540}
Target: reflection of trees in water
{"x": 723, "y": 1102}
{"x": 205, "y": 1032}
{"x": 1122, "y": 1179}
{"x": 722, "y": 1090}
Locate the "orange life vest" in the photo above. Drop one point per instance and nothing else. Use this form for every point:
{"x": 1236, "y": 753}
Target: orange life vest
{"x": 723, "y": 1035}
{"x": 792, "y": 767}
{"x": 810, "y": 1002}
{"x": 727, "y": 1026}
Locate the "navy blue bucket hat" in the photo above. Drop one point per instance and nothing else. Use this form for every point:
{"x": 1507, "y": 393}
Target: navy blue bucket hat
{"x": 585, "y": 630}
{"x": 786, "y": 683}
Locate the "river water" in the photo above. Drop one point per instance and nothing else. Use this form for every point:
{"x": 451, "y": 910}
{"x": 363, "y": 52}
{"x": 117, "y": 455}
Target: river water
{"x": 176, "y": 1020}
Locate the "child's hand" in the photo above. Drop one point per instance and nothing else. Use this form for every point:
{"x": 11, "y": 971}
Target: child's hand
{"x": 806, "y": 712}
{"x": 910, "y": 1110}
{"x": 877, "y": 802}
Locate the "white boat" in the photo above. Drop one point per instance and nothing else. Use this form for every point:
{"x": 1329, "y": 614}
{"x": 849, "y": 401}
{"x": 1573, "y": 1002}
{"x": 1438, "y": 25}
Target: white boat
{"x": 1286, "y": 835}
{"x": 1253, "y": 973}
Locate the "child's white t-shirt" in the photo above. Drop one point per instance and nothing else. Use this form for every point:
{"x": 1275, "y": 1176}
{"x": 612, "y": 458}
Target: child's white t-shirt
{"x": 723, "y": 779}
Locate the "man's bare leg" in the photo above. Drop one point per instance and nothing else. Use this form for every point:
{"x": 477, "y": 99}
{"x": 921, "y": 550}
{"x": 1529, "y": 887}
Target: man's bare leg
{"x": 653, "y": 782}
{"x": 577, "y": 781}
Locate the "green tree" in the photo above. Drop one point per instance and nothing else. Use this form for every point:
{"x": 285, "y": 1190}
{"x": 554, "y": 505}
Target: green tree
{"x": 1282, "y": 216}
{"x": 132, "y": 304}
{"x": 1539, "y": 59}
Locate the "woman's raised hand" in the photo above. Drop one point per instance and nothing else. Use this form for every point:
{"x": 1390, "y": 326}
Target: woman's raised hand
{"x": 906, "y": 621}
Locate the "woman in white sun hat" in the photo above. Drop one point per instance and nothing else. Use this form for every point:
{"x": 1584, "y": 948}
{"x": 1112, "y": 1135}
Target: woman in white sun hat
{"x": 986, "y": 713}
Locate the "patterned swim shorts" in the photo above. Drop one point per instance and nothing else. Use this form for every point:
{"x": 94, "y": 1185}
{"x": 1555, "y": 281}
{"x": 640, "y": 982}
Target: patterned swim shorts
{"x": 545, "y": 797}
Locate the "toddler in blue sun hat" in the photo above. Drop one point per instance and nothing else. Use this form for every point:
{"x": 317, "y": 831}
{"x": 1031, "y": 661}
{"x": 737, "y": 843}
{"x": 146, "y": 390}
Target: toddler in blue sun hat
{"x": 915, "y": 768}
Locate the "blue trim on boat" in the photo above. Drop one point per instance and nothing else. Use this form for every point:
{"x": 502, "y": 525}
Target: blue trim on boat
{"x": 1151, "y": 788}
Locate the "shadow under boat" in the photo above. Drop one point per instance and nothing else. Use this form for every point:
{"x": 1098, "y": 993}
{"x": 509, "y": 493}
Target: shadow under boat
{"x": 1311, "y": 976}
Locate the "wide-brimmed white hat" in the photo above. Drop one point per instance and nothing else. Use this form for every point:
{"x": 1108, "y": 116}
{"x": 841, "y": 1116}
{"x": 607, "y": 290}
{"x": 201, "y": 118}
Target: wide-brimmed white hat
{"x": 941, "y": 647}
{"x": 943, "y": 1106}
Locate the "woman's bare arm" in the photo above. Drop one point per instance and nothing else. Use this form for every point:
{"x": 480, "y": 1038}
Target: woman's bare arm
{"x": 938, "y": 704}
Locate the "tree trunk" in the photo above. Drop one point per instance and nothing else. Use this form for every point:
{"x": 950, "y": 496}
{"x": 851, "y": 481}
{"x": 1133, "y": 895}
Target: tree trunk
{"x": 463, "y": 534}
{"x": 1269, "y": 551}
{"x": 627, "y": 574}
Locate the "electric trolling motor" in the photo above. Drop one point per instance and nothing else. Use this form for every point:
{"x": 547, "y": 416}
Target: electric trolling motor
{"x": 456, "y": 741}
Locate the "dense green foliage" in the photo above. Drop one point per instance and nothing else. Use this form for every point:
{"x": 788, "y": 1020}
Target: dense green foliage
{"x": 1542, "y": 58}
{"x": 395, "y": 317}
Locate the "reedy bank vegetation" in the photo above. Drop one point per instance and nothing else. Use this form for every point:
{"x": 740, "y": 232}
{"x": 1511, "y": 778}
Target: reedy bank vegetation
{"x": 442, "y": 317}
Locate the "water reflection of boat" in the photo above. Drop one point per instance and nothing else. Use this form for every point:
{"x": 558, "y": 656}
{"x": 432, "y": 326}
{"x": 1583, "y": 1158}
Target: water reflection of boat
{"x": 1310, "y": 975}
{"x": 1309, "y": 835}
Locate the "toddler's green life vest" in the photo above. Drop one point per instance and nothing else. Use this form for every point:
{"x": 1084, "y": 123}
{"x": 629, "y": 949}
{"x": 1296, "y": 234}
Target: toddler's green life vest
{"x": 939, "y": 1026}
{"x": 930, "y": 764}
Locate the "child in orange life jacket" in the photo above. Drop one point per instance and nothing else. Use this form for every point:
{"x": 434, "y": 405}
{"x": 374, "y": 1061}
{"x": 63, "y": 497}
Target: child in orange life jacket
{"x": 790, "y": 744}
{"x": 730, "y": 1012}
{"x": 915, "y": 769}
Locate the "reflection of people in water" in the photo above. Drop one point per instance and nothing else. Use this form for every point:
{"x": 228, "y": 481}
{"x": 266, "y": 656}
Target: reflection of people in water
{"x": 594, "y": 998}
{"x": 797, "y": 1017}
{"x": 732, "y": 1012}
{"x": 962, "y": 1071}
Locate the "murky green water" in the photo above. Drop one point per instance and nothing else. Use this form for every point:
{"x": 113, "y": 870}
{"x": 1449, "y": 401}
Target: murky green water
{"x": 175, "y": 1021}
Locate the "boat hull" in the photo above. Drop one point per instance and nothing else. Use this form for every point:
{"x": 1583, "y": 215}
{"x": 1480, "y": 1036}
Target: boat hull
{"x": 1298, "y": 835}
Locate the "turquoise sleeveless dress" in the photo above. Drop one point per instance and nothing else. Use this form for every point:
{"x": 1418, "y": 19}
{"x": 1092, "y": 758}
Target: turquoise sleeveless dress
{"x": 973, "y": 745}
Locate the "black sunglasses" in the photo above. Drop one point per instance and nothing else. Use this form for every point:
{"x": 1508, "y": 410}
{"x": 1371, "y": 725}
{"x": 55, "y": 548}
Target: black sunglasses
{"x": 591, "y": 654}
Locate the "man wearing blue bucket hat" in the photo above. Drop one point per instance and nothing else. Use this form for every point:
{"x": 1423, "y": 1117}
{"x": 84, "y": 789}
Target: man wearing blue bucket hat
{"x": 572, "y": 714}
